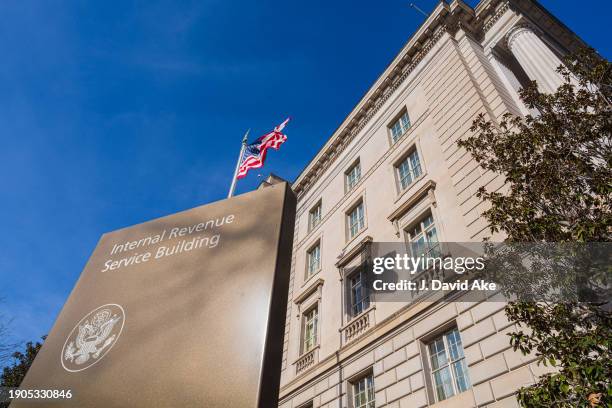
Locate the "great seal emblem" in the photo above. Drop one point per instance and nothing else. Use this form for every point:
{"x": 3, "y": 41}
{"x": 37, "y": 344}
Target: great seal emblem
{"x": 93, "y": 337}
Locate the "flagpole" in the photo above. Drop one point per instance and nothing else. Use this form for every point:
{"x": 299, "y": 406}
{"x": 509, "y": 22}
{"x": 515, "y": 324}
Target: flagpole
{"x": 234, "y": 180}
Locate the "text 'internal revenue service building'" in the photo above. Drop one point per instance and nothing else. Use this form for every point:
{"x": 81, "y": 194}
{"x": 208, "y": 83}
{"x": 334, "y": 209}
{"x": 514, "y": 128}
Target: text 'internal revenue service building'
{"x": 186, "y": 310}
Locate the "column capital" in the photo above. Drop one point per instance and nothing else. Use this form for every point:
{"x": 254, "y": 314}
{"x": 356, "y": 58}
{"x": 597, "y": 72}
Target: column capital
{"x": 517, "y": 31}
{"x": 536, "y": 58}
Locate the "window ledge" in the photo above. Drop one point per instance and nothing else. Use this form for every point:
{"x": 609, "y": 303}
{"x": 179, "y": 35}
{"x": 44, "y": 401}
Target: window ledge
{"x": 412, "y": 201}
{"x": 312, "y": 228}
{"x": 410, "y": 188}
{"x": 400, "y": 137}
{"x": 409, "y": 131}
{"x": 356, "y": 237}
{"x": 349, "y": 191}
{"x": 310, "y": 278}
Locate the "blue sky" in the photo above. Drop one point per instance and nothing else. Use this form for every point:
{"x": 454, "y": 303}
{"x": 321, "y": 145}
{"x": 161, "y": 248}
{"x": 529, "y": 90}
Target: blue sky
{"x": 116, "y": 112}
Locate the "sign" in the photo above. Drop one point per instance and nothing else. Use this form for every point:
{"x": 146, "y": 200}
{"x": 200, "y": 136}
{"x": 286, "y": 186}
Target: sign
{"x": 183, "y": 311}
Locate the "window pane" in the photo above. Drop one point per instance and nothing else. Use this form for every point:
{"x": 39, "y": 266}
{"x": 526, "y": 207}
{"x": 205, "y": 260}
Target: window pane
{"x": 405, "y": 176}
{"x": 314, "y": 260}
{"x": 432, "y": 242}
{"x": 310, "y": 330}
{"x": 399, "y": 127}
{"x": 359, "y": 293}
{"x": 454, "y": 345}
{"x": 353, "y": 176}
{"x": 404, "y": 168}
{"x": 353, "y": 222}
{"x": 396, "y": 131}
{"x": 449, "y": 369}
{"x": 405, "y": 121}
{"x": 356, "y": 220}
{"x": 418, "y": 247}
{"x": 415, "y": 164}
{"x": 370, "y": 396}
{"x": 360, "y": 215}
{"x": 438, "y": 354}
{"x": 363, "y": 393}
{"x": 415, "y": 231}
{"x": 409, "y": 169}
{"x": 424, "y": 238}
{"x": 462, "y": 380}
{"x": 432, "y": 235}
{"x": 443, "y": 384}
{"x": 315, "y": 216}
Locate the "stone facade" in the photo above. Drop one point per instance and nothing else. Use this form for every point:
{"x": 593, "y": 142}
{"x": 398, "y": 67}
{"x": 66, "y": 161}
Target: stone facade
{"x": 461, "y": 62}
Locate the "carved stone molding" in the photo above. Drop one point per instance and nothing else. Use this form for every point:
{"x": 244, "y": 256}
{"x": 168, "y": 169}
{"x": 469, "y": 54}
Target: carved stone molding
{"x": 495, "y": 17}
{"x": 309, "y": 291}
{"x": 307, "y": 360}
{"x": 345, "y": 257}
{"x": 405, "y": 66}
{"x": 358, "y": 325}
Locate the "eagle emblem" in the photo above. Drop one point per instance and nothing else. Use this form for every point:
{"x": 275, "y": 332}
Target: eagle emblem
{"x": 92, "y": 337}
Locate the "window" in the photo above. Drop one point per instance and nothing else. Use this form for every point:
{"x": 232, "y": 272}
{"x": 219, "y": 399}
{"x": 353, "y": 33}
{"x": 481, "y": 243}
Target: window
{"x": 309, "y": 337}
{"x": 314, "y": 217}
{"x": 314, "y": 260}
{"x": 359, "y": 296}
{"x": 448, "y": 368}
{"x": 353, "y": 175}
{"x": 409, "y": 169}
{"x": 424, "y": 238}
{"x": 399, "y": 127}
{"x": 356, "y": 220}
{"x": 363, "y": 392}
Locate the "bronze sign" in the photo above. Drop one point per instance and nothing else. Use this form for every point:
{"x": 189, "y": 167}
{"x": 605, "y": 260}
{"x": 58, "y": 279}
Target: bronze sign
{"x": 183, "y": 311}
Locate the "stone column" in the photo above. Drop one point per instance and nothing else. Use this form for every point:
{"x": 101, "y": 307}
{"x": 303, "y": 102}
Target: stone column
{"x": 535, "y": 57}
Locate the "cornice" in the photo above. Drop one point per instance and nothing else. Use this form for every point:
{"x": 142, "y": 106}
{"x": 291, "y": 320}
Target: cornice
{"x": 344, "y": 258}
{"x": 446, "y": 18}
{"x": 308, "y": 291}
{"x": 490, "y": 20}
{"x": 539, "y": 20}
{"x": 413, "y": 52}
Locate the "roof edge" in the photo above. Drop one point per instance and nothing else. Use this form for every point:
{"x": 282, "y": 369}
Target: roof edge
{"x": 417, "y": 46}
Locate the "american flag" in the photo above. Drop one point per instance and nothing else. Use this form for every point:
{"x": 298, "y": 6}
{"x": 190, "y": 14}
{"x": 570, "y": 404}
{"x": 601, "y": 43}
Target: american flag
{"x": 255, "y": 153}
